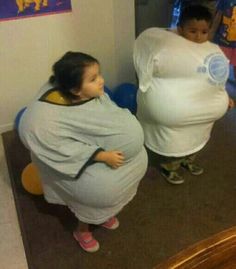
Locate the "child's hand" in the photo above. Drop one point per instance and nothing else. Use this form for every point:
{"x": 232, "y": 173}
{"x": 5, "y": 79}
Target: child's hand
{"x": 231, "y": 103}
{"x": 112, "y": 158}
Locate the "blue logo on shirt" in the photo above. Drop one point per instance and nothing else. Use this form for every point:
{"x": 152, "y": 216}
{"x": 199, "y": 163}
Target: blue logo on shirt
{"x": 217, "y": 67}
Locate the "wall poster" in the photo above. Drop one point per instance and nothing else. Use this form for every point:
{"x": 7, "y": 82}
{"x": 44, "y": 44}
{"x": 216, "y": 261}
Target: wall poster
{"x": 17, "y": 9}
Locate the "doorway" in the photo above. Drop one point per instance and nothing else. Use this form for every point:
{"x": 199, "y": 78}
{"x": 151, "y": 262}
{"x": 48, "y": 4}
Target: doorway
{"x": 152, "y": 13}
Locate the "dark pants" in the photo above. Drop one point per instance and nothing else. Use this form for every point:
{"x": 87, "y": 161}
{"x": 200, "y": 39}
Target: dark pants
{"x": 174, "y": 163}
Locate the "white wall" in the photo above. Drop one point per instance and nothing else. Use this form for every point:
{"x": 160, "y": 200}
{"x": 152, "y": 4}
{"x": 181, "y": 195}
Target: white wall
{"x": 30, "y": 46}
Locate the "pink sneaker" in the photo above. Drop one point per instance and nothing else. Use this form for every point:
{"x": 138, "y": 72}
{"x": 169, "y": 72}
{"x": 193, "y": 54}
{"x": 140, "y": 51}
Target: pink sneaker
{"x": 111, "y": 224}
{"x": 86, "y": 241}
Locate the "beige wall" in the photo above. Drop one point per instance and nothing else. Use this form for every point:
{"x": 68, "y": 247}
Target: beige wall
{"x": 30, "y": 46}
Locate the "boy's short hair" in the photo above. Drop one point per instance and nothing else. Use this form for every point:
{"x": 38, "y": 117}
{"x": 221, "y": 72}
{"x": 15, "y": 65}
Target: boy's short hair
{"x": 192, "y": 12}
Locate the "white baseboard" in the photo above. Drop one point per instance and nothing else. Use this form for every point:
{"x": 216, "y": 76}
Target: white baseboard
{"x": 6, "y": 127}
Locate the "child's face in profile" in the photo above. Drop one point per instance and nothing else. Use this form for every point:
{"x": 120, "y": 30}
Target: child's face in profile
{"x": 195, "y": 30}
{"x": 93, "y": 83}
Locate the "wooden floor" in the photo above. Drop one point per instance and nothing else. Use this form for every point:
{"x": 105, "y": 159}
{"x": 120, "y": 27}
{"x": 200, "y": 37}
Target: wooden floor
{"x": 216, "y": 252}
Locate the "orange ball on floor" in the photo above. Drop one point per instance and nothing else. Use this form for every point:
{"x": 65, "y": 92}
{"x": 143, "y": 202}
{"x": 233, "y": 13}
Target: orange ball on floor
{"x": 31, "y": 180}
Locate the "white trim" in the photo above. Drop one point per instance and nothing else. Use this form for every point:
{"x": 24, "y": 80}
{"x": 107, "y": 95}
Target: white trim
{"x": 6, "y": 127}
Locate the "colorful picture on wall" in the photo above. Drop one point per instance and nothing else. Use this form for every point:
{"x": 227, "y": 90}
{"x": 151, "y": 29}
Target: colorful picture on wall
{"x": 17, "y": 9}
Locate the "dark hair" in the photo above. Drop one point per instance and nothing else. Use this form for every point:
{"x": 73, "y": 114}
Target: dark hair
{"x": 197, "y": 12}
{"x": 68, "y": 71}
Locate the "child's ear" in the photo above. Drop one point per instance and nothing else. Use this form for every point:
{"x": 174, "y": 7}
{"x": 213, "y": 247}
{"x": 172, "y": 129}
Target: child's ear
{"x": 75, "y": 92}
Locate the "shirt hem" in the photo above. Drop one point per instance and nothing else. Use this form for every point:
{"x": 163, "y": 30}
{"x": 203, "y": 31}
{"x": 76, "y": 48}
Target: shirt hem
{"x": 172, "y": 154}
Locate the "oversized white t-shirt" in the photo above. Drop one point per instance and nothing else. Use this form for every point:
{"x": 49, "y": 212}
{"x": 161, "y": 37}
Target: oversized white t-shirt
{"x": 181, "y": 91}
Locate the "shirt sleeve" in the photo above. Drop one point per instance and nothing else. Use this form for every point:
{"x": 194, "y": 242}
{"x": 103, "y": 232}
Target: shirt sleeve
{"x": 146, "y": 56}
{"x": 71, "y": 158}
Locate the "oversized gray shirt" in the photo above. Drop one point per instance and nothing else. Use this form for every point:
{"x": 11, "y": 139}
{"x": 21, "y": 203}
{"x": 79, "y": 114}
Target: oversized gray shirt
{"x": 63, "y": 140}
{"x": 66, "y": 137}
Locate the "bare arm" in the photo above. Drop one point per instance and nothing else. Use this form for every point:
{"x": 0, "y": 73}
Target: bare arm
{"x": 112, "y": 158}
